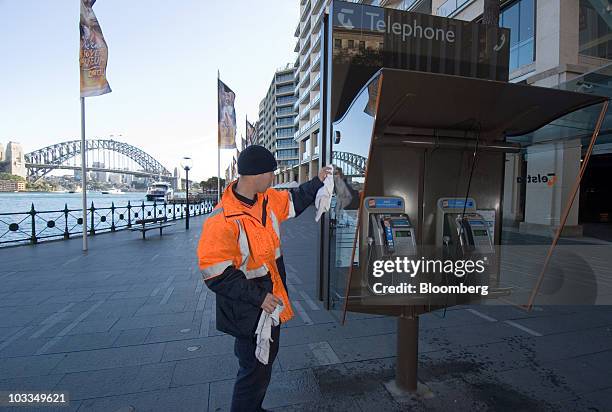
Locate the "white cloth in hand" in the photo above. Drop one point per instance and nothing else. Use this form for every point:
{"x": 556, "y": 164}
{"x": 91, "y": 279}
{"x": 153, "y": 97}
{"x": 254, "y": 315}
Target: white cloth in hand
{"x": 263, "y": 333}
{"x": 324, "y": 195}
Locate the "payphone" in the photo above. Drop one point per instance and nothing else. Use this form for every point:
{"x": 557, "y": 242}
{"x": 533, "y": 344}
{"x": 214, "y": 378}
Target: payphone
{"x": 390, "y": 231}
{"x": 460, "y": 228}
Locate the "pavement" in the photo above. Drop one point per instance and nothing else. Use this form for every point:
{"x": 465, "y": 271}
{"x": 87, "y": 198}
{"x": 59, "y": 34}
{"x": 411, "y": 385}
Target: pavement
{"x": 130, "y": 326}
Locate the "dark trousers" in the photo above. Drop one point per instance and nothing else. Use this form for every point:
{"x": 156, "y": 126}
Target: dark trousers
{"x": 253, "y": 376}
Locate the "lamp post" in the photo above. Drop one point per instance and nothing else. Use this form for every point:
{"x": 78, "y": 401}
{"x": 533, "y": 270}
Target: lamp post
{"x": 186, "y": 165}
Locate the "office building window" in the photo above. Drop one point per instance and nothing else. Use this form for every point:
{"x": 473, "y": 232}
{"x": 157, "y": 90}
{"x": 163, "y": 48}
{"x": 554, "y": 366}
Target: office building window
{"x": 338, "y": 43}
{"x": 595, "y": 35}
{"x": 519, "y": 18}
{"x": 284, "y": 121}
{"x": 361, "y": 45}
{"x": 351, "y": 44}
{"x": 285, "y": 132}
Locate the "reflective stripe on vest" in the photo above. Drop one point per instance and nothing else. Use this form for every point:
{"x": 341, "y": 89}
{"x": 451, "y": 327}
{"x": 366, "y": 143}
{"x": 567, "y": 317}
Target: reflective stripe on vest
{"x": 291, "y": 208}
{"x": 216, "y": 269}
{"x": 243, "y": 242}
{"x": 215, "y": 212}
{"x": 275, "y": 224}
{"x": 257, "y": 273}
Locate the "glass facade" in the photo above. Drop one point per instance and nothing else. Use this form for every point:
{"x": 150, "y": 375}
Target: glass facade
{"x": 284, "y": 78}
{"x": 285, "y": 89}
{"x": 519, "y": 17}
{"x": 285, "y": 132}
{"x": 284, "y": 121}
{"x": 595, "y": 36}
{"x": 284, "y": 111}
{"x": 450, "y": 6}
{"x": 285, "y": 99}
{"x": 286, "y": 153}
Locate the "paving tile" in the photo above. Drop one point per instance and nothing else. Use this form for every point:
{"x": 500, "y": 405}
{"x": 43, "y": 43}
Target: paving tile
{"x": 362, "y": 348}
{"x": 43, "y": 383}
{"x": 179, "y": 331}
{"x": 538, "y": 383}
{"x": 110, "y": 358}
{"x": 117, "y": 381}
{"x": 132, "y": 337}
{"x": 205, "y": 369}
{"x": 26, "y": 366}
{"x": 306, "y": 356}
{"x": 181, "y": 399}
{"x": 137, "y": 322}
{"x": 206, "y": 346}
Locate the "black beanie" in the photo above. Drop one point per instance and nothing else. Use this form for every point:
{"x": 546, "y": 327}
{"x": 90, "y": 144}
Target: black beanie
{"x": 255, "y": 160}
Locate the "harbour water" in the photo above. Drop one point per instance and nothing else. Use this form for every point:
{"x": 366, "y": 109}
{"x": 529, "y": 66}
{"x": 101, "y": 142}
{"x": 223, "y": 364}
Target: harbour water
{"x": 44, "y": 201}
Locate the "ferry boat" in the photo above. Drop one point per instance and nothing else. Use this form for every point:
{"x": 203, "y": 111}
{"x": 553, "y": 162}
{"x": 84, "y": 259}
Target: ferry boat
{"x": 112, "y": 191}
{"x": 159, "y": 191}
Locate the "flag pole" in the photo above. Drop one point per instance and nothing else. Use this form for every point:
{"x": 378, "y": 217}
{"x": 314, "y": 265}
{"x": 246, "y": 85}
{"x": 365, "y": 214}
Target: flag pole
{"x": 218, "y": 148}
{"x": 83, "y": 174}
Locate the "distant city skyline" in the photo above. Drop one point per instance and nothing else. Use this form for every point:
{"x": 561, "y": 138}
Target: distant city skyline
{"x": 162, "y": 67}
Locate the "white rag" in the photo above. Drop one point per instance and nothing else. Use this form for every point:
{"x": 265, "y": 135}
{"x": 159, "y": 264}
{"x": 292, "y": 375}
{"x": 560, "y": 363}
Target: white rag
{"x": 324, "y": 195}
{"x": 263, "y": 333}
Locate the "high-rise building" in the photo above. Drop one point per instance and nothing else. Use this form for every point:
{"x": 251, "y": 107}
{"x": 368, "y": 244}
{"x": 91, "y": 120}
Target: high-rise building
{"x": 98, "y": 175}
{"x": 308, "y": 76}
{"x": 275, "y": 127}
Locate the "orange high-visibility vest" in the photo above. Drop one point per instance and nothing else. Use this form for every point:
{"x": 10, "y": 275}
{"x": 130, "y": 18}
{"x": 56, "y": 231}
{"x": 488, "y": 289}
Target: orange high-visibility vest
{"x": 236, "y": 234}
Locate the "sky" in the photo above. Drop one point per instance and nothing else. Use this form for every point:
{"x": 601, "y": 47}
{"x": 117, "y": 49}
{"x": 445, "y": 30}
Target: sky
{"x": 162, "y": 68}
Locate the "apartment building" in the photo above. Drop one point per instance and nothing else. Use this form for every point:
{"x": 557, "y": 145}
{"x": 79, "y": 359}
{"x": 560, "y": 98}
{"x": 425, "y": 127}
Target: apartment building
{"x": 12, "y": 186}
{"x": 275, "y": 127}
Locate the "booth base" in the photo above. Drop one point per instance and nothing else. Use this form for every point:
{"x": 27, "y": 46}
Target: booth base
{"x": 401, "y": 395}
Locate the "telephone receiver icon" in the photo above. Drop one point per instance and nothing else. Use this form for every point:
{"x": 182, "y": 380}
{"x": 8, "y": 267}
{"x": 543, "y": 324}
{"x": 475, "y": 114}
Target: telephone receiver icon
{"x": 345, "y": 23}
{"x": 502, "y": 41}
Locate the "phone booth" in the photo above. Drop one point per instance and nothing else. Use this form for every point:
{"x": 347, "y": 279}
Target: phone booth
{"x": 425, "y": 153}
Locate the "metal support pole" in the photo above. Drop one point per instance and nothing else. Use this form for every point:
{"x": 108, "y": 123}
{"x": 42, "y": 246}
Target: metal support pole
{"x": 218, "y": 174}
{"x": 407, "y": 352}
{"x": 187, "y": 196}
{"x": 84, "y": 174}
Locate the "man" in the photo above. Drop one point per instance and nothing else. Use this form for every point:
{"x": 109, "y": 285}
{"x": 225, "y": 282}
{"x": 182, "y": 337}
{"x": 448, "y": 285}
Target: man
{"x": 240, "y": 258}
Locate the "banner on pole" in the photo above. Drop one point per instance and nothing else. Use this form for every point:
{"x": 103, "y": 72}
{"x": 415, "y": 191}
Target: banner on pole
{"x": 227, "y": 117}
{"x": 93, "y": 54}
{"x": 251, "y": 133}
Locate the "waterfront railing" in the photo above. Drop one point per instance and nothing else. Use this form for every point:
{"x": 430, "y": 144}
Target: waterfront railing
{"x": 36, "y": 226}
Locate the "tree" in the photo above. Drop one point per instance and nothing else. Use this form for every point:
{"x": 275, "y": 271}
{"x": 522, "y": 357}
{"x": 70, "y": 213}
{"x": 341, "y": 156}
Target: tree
{"x": 8, "y": 176}
{"x": 491, "y": 12}
{"x": 211, "y": 183}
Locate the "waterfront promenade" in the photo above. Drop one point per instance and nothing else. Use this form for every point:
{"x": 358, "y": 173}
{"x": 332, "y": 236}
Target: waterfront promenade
{"x": 130, "y": 326}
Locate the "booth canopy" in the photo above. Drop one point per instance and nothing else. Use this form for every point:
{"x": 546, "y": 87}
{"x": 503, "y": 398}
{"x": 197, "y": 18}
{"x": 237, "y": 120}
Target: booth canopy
{"x": 494, "y": 109}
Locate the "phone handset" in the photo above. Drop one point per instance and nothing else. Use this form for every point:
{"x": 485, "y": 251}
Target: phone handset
{"x": 376, "y": 230}
{"x": 382, "y": 234}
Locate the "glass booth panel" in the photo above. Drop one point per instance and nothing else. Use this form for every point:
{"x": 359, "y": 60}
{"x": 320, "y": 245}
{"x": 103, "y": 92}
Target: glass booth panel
{"x": 539, "y": 187}
{"x": 351, "y": 140}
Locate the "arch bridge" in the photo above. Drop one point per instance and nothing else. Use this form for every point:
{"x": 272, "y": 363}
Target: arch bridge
{"x": 132, "y": 160}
